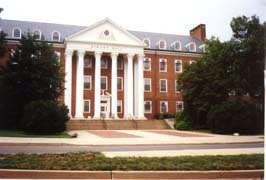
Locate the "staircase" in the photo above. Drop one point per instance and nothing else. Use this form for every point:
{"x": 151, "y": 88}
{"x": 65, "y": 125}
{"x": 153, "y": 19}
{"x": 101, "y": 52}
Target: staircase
{"x": 116, "y": 124}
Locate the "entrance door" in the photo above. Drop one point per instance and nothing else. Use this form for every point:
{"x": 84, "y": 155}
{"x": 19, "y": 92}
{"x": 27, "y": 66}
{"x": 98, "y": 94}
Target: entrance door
{"x": 104, "y": 109}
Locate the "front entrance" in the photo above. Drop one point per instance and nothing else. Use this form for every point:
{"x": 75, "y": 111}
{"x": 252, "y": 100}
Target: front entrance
{"x": 105, "y": 106}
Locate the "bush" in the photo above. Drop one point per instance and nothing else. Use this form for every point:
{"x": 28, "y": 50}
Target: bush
{"x": 182, "y": 122}
{"x": 237, "y": 116}
{"x": 164, "y": 116}
{"x": 44, "y": 117}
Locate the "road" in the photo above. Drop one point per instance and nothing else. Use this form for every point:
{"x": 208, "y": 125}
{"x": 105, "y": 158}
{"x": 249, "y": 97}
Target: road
{"x": 114, "y": 148}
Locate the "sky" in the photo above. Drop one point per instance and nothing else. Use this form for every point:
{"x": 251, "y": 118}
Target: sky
{"x": 163, "y": 16}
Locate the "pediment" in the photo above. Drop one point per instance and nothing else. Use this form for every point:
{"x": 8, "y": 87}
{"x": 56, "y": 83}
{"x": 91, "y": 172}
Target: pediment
{"x": 105, "y": 32}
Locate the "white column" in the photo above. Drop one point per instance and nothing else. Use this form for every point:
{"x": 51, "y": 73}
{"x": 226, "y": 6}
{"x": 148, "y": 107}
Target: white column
{"x": 97, "y": 83}
{"x": 136, "y": 84}
{"x": 114, "y": 85}
{"x": 80, "y": 86}
{"x": 125, "y": 88}
{"x": 140, "y": 88}
{"x": 68, "y": 79}
{"x": 129, "y": 87}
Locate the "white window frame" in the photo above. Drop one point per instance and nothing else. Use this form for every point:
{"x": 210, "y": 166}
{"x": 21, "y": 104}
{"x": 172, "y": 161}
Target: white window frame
{"x": 166, "y": 84}
{"x": 166, "y": 103}
{"x": 145, "y": 60}
{"x": 163, "y": 42}
{"x": 87, "y": 100}
{"x": 203, "y": 48}
{"x": 104, "y": 59}
{"x": 174, "y": 44}
{"x": 176, "y": 61}
{"x": 189, "y": 47}
{"x": 90, "y": 81}
{"x": 59, "y": 36}
{"x": 122, "y": 83}
{"x": 149, "y": 79}
{"x": 105, "y": 77}
{"x": 120, "y": 103}
{"x": 149, "y": 42}
{"x": 162, "y": 60}
{"x": 176, "y": 83}
{"x": 150, "y": 111}
{"x": 13, "y": 33}
{"x": 40, "y": 34}
{"x": 177, "y": 103}
{"x": 89, "y": 58}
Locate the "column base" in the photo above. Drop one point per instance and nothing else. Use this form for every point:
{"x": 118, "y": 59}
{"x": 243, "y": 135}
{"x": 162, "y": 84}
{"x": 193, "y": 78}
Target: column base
{"x": 141, "y": 118}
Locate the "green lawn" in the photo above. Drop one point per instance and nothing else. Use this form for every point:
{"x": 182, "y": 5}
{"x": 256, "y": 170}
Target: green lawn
{"x": 13, "y": 133}
{"x": 97, "y": 161}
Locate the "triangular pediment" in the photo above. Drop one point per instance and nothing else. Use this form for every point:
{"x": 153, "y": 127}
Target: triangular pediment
{"x": 105, "y": 32}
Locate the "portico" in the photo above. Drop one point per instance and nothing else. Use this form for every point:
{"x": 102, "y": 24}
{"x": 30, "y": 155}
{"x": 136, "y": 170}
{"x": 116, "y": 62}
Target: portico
{"x": 105, "y": 39}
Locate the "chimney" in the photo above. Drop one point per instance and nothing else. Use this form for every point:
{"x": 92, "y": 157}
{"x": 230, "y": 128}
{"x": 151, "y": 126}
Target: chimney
{"x": 199, "y": 32}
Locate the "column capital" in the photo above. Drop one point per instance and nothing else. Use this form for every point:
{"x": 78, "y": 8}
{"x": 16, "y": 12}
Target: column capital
{"x": 114, "y": 54}
{"x": 130, "y": 55}
{"x": 140, "y": 55}
{"x": 98, "y": 53}
{"x": 69, "y": 52}
{"x": 81, "y": 53}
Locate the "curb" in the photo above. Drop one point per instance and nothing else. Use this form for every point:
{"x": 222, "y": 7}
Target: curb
{"x": 66, "y": 174}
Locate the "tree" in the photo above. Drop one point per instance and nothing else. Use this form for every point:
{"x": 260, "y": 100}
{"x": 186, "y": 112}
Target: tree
{"x": 3, "y": 45}
{"x": 33, "y": 73}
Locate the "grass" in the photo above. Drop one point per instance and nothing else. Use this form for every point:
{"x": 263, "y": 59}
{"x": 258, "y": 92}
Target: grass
{"x": 14, "y": 133}
{"x": 97, "y": 161}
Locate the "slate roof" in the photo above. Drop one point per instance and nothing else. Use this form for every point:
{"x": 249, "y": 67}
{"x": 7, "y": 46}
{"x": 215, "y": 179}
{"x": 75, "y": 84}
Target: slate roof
{"x": 66, "y": 30}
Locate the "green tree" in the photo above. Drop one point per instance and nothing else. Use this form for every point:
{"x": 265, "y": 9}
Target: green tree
{"x": 33, "y": 73}
{"x": 3, "y": 44}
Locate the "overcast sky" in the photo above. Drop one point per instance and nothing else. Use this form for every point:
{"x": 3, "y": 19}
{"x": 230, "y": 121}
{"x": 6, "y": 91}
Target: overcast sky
{"x": 165, "y": 16}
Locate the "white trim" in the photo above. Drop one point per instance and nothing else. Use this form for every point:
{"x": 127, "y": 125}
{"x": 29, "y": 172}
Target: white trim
{"x": 149, "y": 80}
{"x": 59, "y": 36}
{"x": 181, "y": 63}
{"x": 147, "y": 39}
{"x": 90, "y": 81}
{"x": 120, "y": 102}
{"x": 177, "y": 103}
{"x": 13, "y": 34}
{"x": 40, "y": 34}
{"x": 87, "y": 100}
{"x": 149, "y": 60}
{"x": 189, "y": 46}
{"x": 105, "y": 77}
{"x": 162, "y": 60}
{"x": 174, "y": 45}
{"x": 59, "y": 55}
{"x": 203, "y": 47}
{"x": 161, "y": 40}
{"x": 173, "y": 53}
{"x": 166, "y": 103}
{"x": 166, "y": 84}
{"x": 176, "y": 83}
{"x": 122, "y": 83}
{"x": 150, "y": 111}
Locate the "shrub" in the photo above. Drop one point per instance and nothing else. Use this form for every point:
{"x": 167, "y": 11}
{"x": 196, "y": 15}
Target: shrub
{"x": 182, "y": 122}
{"x": 237, "y": 116}
{"x": 164, "y": 115}
{"x": 44, "y": 117}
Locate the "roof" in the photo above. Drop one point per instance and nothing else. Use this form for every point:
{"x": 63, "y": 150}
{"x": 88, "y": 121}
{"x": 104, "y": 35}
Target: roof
{"x": 66, "y": 30}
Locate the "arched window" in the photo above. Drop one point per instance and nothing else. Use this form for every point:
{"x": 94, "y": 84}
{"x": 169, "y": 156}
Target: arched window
{"x": 192, "y": 47}
{"x": 177, "y": 45}
{"x": 162, "y": 44}
{"x": 147, "y": 42}
{"x": 16, "y": 33}
{"x": 55, "y": 36}
{"x": 37, "y": 34}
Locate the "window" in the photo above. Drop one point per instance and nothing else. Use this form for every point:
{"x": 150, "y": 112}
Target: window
{"x": 147, "y": 106}
{"x": 162, "y": 44}
{"x": 163, "y": 85}
{"x": 16, "y": 33}
{"x": 177, "y": 87}
{"x": 192, "y": 61}
{"x": 104, "y": 62}
{"x": 103, "y": 82}
{"x": 119, "y": 83}
{"x": 163, "y": 106}
{"x": 147, "y": 84}
{"x": 192, "y": 47}
{"x": 119, "y": 106}
{"x": 58, "y": 55}
{"x": 177, "y": 45}
{"x": 147, "y": 42}
{"x": 203, "y": 48}
{"x": 120, "y": 63}
{"x": 147, "y": 64}
{"x": 37, "y": 34}
{"x": 88, "y": 61}
{"x": 55, "y": 36}
{"x": 179, "y": 106}
{"x": 87, "y": 82}
{"x": 163, "y": 65}
{"x": 87, "y": 106}
{"x": 178, "y": 66}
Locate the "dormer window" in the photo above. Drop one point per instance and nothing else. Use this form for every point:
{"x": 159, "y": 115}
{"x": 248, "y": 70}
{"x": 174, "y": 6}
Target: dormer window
{"x": 147, "y": 42}
{"x": 192, "y": 47}
{"x": 55, "y": 36}
{"x": 203, "y": 47}
{"x": 37, "y": 34}
{"x": 162, "y": 44}
{"x": 16, "y": 33}
{"x": 177, "y": 45}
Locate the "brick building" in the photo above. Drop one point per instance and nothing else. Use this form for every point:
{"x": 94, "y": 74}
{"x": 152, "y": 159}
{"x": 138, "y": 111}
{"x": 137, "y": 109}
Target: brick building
{"x": 113, "y": 72}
